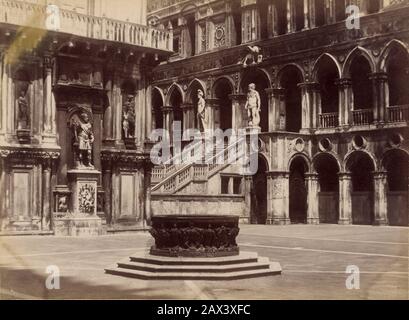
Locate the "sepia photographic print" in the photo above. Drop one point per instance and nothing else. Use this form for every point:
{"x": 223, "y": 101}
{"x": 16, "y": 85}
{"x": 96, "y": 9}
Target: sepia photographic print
{"x": 204, "y": 150}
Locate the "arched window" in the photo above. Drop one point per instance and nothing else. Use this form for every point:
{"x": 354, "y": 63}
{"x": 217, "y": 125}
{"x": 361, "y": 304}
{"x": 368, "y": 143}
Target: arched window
{"x": 281, "y": 7}
{"x": 222, "y": 90}
{"x": 157, "y": 103}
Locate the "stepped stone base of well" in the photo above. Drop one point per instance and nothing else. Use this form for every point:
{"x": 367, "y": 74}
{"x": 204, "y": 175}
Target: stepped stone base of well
{"x": 146, "y": 266}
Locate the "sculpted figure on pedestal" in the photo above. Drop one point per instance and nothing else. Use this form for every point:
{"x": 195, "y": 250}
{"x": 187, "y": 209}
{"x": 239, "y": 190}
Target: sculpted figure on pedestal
{"x": 23, "y": 112}
{"x": 253, "y": 105}
{"x": 201, "y": 111}
{"x": 128, "y": 117}
{"x": 84, "y": 139}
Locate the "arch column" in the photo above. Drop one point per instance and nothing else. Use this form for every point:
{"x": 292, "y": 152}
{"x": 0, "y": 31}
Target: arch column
{"x": 213, "y": 113}
{"x": 312, "y": 199}
{"x": 345, "y": 200}
{"x": 278, "y": 191}
{"x": 272, "y": 20}
{"x": 248, "y": 185}
{"x": 238, "y": 102}
{"x": 50, "y": 109}
{"x": 188, "y": 116}
{"x": 309, "y": 108}
{"x": 276, "y": 109}
{"x": 345, "y": 101}
{"x": 381, "y": 198}
{"x": 168, "y": 119}
{"x": 251, "y": 22}
{"x": 379, "y": 83}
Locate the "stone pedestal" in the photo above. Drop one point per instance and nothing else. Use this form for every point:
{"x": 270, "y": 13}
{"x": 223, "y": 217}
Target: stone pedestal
{"x": 82, "y": 219}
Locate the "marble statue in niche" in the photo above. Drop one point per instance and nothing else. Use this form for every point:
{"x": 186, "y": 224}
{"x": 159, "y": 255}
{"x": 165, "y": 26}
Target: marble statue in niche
{"x": 128, "y": 116}
{"x": 253, "y": 106}
{"x": 23, "y": 117}
{"x": 83, "y": 140}
{"x": 62, "y": 204}
{"x": 201, "y": 111}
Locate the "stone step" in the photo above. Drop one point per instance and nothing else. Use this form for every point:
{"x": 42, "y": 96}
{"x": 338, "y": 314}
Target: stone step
{"x": 274, "y": 268}
{"x": 243, "y": 257}
{"x": 262, "y": 263}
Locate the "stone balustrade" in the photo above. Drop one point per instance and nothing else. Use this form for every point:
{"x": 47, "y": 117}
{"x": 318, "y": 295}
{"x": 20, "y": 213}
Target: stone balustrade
{"x": 362, "y": 117}
{"x": 26, "y": 14}
{"x": 329, "y": 120}
{"x": 398, "y": 113}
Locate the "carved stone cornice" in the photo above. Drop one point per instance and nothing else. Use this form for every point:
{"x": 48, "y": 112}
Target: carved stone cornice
{"x": 125, "y": 158}
{"x": 29, "y": 153}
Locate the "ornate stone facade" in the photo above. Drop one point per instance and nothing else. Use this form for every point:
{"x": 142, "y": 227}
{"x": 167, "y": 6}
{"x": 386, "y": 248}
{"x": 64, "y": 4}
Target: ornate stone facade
{"x": 334, "y": 112}
{"x": 69, "y": 160}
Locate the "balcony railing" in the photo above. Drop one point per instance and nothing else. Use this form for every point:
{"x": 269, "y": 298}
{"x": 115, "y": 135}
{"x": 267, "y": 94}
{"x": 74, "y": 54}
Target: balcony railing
{"x": 329, "y": 120}
{"x": 362, "y": 117}
{"x": 101, "y": 28}
{"x": 398, "y": 113}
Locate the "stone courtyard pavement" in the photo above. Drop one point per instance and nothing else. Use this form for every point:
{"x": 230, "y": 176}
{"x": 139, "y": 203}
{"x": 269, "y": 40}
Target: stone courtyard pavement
{"x": 314, "y": 260}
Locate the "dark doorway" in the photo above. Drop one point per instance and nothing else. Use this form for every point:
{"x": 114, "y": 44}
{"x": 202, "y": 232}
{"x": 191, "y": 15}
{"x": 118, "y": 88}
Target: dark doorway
{"x": 259, "y": 194}
{"x": 298, "y": 191}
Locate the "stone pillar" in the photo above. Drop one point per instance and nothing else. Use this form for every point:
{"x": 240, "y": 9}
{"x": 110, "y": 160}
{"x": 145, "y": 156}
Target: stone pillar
{"x": 168, "y": 119}
{"x": 238, "y": 112}
{"x": 329, "y": 12}
{"x": 380, "y": 91}
{"x": 46, "y": 187}
{"x": 213, "y": 112}
{"x": 251, "y": 22}
{"x": 108, "y": 134}
{"x": 308, "y": 109}
{"x": 189, "y": 115}
{"x": 272, "y": 20}
{"x": 106, "y": 181}
{"x": 117, "y": 116}
{"x": 345, "y": 102}
{"x": 50, "y": 110}
{"x": 147, "y": 195}
{"x": 3, "y": 93}
{"x": 312, "y": 200}
{"x": 3, "y": 188}
{"x": 248, "y": 186}
{"x": 290, "y": 17}
{"x": 311, "y": 10}
{"x": 275, "y": 104}
{"x": 278, "y": 198}
{"x": 307, "y": 21}
{"x": 345, "y": 200}
{"x": 381, "y": 198}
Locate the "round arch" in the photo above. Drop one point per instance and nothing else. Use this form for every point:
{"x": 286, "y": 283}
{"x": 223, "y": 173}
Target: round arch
{"x": 304, "y": 157}
{"x": 158, "y": 91}
{"x": 283, "y": 70}
{"x": 299, "y": 167}
{"x": 254, "y": 74}
{"x": 330, "y": 155}
{"x": 226, "y": 79}
{"x": 349, "y": 157}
